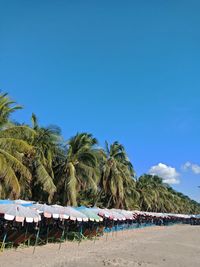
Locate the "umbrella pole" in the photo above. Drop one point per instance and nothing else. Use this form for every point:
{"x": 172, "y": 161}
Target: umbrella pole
{"x": 105, "y": 230}
{"x": 108, "y": 229}
{"x": 124, "y": 231}
{"x": 3, "y": 243}
{"x": 62, "y": 236}
{"x": 47, "y": 234}
{"x": 116, "y": 229}
{"x": 106, "y": 235}
{"x": 26, "y": 233}
{"x": 96, "y": 233}
{"x": 36, "y": 240}
{"x": 80, "y": 233}
{"x": 112, "y": 228}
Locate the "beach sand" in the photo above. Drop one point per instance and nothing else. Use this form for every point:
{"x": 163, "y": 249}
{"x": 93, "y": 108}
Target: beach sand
{"x": 154, "y": 246}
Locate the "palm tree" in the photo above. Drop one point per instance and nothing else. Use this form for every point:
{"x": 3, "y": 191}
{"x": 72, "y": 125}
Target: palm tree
{"x": 78, "y": 172}
{"x": 153, "y": 194}
{"x": 7, "y": 107}
{"x": 45, "y": 143}
{"x": 14, "y": 175}
{"x": 146, "y": 193}
{"x": 117, "y": 177}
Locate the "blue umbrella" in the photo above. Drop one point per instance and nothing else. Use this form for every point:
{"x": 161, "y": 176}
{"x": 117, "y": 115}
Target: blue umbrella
{"x": 17, "y": 201}
{"x": 23, "y": 202}
{"x": 92, "y": 216}
{"x": 5, "y": 201}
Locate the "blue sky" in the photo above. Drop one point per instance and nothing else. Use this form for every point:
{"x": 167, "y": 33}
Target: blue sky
{"x": 122, "y": 70}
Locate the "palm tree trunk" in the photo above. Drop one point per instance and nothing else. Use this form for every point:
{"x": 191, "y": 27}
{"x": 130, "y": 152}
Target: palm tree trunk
{"x": 98, "y": 197}
{"x": 71, "y": 185}
{"x": 108, "y": 205}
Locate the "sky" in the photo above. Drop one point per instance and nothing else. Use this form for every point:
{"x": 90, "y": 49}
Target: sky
{"x": 121, "y": 70}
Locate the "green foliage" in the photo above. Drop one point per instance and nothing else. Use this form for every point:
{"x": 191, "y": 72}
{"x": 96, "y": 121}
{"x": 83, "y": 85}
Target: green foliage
{"x": 79, "y": 169}
{"x": 35, "y": 163}
{"x": 156, "y": 196}
{"x": 117, "y": 177}
{"x": 7, "y": 107}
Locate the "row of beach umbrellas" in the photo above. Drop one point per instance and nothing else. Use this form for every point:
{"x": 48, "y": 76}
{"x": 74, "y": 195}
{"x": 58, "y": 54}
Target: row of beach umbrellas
{"x": 21, "y": 210}
{"x": 164, "y": 215}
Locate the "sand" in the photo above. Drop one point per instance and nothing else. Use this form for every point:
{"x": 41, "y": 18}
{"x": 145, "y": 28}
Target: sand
{"x": 154, "y": 246}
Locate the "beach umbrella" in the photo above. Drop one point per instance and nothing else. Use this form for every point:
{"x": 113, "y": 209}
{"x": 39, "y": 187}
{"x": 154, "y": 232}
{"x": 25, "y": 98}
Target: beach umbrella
{"x": 111, "y": 214}
{"x": 197, "y": 216}
{"x": 5, "y": 201}
{"x": 24, "y": 203}
{"x": 105, "y": 213}
{"x": 17, "y": 201}
{"x": 63, "y": 214}
{"x": 72, "y": 213}
{"x": 137, "y": 212}
{"x": 184, "y": 216}
{"x": 92, "y": 216}
{"x": 57, "y": 211}
{"x": 75, "y": 214}
{"x": 19, "y": 213}
{"x": 127, "y": 214}
{"x": 117, "y": 216}
{"x": 48, "y": 211}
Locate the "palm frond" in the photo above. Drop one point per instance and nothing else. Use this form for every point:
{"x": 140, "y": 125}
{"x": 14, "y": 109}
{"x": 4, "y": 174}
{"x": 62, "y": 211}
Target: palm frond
{"x": 16, "y": 164}
{"x": 45, "y": 180}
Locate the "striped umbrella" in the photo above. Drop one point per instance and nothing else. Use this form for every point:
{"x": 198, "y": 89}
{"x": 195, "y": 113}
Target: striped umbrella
{"x": 19, "y": 213}
{"x": 24, "y": 203}
{"x": 127, "y": 214}
{"x": 117, "y": 216}
{"x": 5, "y": 201}
{"x": 57, "y": 211}
{"x": 48, "y": 211}
{"x": 75, "y": 214}
{"x": 92, "y": 216}
{"x": 72, "y": 213}
{"x": 105, "y": 213}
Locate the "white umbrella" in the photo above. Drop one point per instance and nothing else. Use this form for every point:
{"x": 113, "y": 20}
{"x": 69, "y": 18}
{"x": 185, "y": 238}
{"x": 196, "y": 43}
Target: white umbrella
{"x": 72, "y": 213}
{"x": 61, "y": 212}
{"x": 50, "y": 211}
{"x": 23, "y": 202}
{"x": 105, "y": 213}
{"x": 127, "y": 214}
{"x": 92, "y": 216}
{"x": 117, "y": 215}
{"x": 75, "y": 214}
{"x": 19, "y": 213}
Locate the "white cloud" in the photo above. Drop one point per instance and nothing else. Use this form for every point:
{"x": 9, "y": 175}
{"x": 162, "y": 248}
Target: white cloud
{"x": 167, "y": 173}
{"x": 195, "y": 168}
